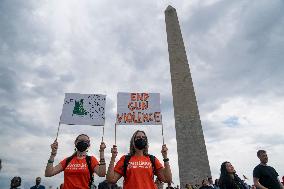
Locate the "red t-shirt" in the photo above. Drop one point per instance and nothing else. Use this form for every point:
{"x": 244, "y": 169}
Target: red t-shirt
{"x": 76, "y": 174}
{"x": 139, "y": 173}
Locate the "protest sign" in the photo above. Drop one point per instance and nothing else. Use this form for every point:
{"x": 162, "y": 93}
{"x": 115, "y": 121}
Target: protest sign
{"x": 83, "y": 109}
{"x": 138, "y": 109}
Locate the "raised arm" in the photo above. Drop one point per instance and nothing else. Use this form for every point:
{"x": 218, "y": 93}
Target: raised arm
{"x": 112, "y": 176}
{"x": 165, "y": 174}
{"x": 100, "y": 169}
{"x": 50, "y": 170}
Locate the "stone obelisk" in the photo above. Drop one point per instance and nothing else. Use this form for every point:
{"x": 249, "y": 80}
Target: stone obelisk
{"x": 192, "y": 155}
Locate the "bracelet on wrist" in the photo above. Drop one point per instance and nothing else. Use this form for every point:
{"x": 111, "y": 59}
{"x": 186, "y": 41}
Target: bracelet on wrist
{"x": 50, "y": 161}
{"x": 102, "y": 163}
{"x": 166, "y": 160}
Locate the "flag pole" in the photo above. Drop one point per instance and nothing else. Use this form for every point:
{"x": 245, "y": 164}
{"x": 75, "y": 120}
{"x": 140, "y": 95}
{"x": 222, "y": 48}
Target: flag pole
{"x": 163, "y": 134}
{"x": 103, "y": 133}
{"x": 59, "y": 122}
{"x": 163, "y": 130}
{"x": 57, "y": 131}
{"x": 115, "y": 134}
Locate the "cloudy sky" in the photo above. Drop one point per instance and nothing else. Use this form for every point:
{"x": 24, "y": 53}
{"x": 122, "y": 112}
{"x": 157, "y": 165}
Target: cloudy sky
{"x": 50, "y": 47}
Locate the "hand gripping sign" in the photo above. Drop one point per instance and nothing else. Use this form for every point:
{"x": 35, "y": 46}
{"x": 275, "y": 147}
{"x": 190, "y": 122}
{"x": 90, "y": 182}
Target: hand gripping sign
{"x": 138, "y": 109}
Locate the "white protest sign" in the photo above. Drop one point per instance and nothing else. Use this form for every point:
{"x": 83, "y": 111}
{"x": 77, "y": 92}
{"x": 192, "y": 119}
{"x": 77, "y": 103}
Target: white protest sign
{"x": 83, "y": 109}
{"x": 138, "y": 109}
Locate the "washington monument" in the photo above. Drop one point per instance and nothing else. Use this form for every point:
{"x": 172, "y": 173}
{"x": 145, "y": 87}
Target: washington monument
{"x": 192, "y": 155}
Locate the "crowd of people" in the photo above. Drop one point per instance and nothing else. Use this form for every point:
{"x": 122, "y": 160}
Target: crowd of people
{"x": 17, "y": 181}
{"x": 264, "y": 177}
{"x": 138, "y": 169}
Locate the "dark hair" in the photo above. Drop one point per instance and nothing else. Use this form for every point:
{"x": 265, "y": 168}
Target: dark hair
{"x": 204, "y": 180}
{"x": 216, "y": 182}
{"x": 259, "y": 152}
{"x": 227, "y": 181}
{"x": 224, "y": 176}
{"x": 14, "y": 179}
{"x": 17, "y": 178}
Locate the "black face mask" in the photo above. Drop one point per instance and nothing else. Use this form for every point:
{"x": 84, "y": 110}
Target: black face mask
{"x": 82, "y": 146}
{"x": 140, "y": 143}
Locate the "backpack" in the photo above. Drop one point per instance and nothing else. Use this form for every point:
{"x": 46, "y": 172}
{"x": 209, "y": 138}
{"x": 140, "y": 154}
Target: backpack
{"x": 127, "y": 159}
{"x": 88, "y": 160}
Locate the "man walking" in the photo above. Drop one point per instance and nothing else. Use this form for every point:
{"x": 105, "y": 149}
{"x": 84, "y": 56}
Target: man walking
{"x": 264, "y": 176}
{"x": 38, "y": 186}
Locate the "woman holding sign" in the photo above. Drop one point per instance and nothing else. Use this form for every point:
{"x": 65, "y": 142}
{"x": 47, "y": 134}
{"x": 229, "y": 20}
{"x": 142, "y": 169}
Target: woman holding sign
{"x": 138, "y": 167}
{"x": 79, "y": 167}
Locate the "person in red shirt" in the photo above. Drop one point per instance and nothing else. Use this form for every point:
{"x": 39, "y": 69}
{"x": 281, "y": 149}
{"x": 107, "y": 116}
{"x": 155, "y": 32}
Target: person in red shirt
{"x": 76, "y": 169}
{"x": 139, "y": 171}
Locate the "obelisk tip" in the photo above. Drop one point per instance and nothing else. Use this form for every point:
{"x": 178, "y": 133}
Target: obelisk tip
{"x": 170, "y": 8}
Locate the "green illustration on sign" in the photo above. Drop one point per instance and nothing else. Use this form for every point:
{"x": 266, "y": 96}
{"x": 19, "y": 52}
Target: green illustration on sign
{"x": 79, "y": 109}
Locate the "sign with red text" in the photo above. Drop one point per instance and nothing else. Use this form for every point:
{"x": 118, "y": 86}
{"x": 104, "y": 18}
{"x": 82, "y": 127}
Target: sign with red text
{"x": 138, "y": 109}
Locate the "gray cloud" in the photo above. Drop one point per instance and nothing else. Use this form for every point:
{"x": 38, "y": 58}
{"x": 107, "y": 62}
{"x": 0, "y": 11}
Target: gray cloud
{"x": 243, "y": 40}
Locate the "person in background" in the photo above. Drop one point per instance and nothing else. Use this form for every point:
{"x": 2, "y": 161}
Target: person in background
{"x": 210, "y": 182}
{"x": 196, "y": 186}
{"x": 205, "y": 184}
{"x": 216, "y": 184}
{"x": 169, "y": 186}
{"x": 188, "y": 186}
{"x": 38, "y": 186}
{"x": 16, "y": 183}
{"x": 107, "y": 185}
{"x": 228, "y": 178}
{"x": 265, "y": 176}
